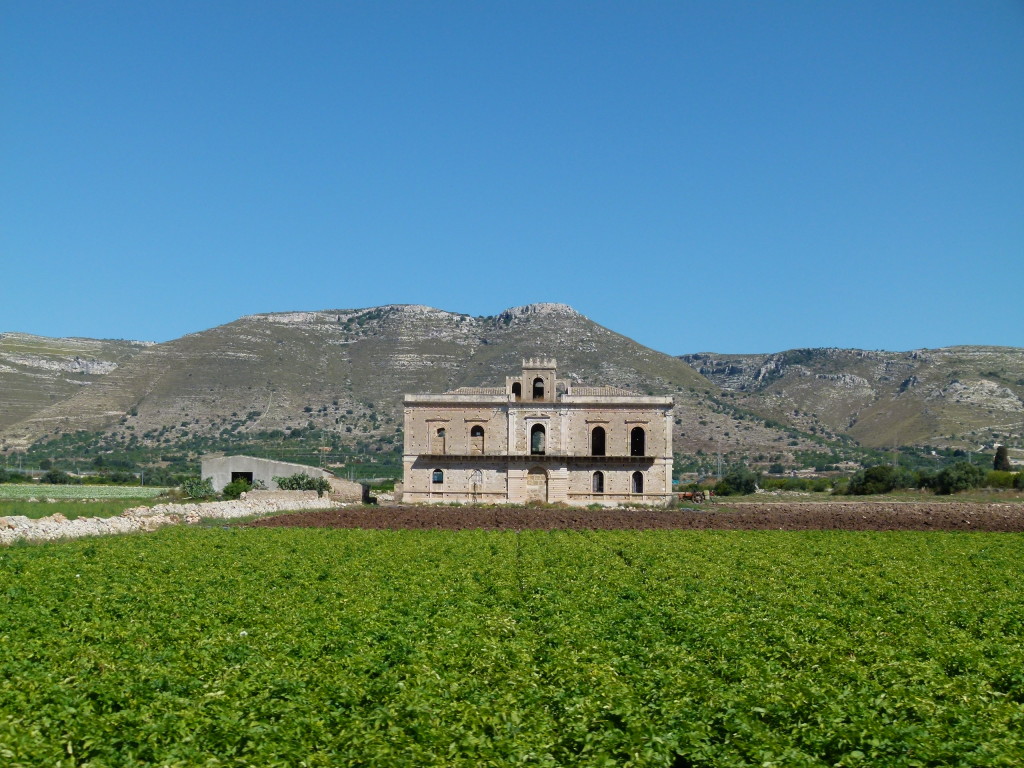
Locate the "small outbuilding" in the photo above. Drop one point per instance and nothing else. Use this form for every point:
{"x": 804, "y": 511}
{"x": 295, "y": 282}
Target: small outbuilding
{"x": 221, "y": 470}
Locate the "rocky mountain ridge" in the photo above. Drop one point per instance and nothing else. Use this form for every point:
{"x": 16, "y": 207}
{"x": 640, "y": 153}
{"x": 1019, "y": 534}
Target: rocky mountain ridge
{"x": 341, "y": 374}
{"x": 966, "y": 396}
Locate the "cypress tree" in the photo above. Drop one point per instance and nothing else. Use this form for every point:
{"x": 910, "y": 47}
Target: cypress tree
{"x": 1002, "y": 460}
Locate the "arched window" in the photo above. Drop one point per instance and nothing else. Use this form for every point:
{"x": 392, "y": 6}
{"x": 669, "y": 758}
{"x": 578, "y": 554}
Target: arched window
{"x": 537, "y": 439}
{"x": 477, "y": 479}
{"x": 517, "y": 391}
{"x": 538, "y": 388}
{"x": 437, "y": 477}
{"x": 597, "y": 442}
{"x": 598, "y": 485}
{"x": 638, "y": 482}
{"x": 637, "y": 442}
{"x": 476, "y": 439}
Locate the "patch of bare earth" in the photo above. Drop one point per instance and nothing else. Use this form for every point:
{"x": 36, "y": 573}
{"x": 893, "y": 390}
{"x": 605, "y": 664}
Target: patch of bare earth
{"x": 789, "y": 516}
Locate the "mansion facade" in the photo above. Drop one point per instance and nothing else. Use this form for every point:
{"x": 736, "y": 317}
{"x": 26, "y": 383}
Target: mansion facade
{"x": 538, "y": 438}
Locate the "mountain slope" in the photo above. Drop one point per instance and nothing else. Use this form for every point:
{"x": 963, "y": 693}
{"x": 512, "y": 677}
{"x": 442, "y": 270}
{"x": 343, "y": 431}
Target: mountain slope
{"x": 336, "y": 377}
{"x": 345, "y": 371}
{"x": 962, "y": 396}
{"x": 36, "y": 372}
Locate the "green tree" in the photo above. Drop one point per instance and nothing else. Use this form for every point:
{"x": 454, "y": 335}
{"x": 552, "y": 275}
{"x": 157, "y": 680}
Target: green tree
{"x": 961, "y": 476}
{"x": 737, "y": 481}
{"x": 880, "y": 479}
{"x": 1001, "y": 462}
{"x": 58, "y": 477}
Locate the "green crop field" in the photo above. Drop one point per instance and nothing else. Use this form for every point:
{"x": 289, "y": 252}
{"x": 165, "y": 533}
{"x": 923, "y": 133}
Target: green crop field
{"x": 71, "y": 509}
{"x": 277, "y": 647}
{"x": 74, "y": 500}
{"x": 45, "y": 491}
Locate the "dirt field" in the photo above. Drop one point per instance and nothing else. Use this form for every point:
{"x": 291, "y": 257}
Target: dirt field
{"x": 791, "y": 516}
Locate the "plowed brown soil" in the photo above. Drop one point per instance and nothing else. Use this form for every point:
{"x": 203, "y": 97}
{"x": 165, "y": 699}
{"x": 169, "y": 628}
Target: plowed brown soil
{"x": 795, "y": 516}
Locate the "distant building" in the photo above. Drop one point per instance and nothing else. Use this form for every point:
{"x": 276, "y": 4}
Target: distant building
{"x": 538, "y": 438}
{"x": 221, "y": 470}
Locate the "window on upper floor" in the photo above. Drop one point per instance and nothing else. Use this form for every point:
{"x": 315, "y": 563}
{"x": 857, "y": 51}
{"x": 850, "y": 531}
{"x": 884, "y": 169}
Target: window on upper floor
{"x": 537, "y": 439}
{"x": 538, "y": 388}
{"x": 597, "y": 442}
{"x": 637, "y": 442}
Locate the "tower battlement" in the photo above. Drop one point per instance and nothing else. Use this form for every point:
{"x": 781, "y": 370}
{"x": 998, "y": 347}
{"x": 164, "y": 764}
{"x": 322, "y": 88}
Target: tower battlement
{"x": 535, "y": 363}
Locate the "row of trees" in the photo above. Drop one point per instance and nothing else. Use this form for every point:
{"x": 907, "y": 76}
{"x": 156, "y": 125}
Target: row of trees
{"x": 961, "y": 476}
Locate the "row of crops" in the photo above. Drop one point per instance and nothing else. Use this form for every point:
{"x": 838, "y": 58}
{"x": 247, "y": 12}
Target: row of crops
{"x": 321, "y": 648}
{"x": 73, "y": 492}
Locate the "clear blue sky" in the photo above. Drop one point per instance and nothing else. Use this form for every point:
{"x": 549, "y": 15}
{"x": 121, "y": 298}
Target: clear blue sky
{"x": 728, "y": 176}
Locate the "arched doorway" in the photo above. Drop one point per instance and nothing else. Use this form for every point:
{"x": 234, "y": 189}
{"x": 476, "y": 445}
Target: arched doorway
{"x": 537, "y": 485}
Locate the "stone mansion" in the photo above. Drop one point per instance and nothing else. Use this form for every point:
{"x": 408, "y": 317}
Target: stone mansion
{"x": 538, "y": 438}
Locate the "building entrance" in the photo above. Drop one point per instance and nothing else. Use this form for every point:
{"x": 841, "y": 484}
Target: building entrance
{"x": 537, "y": 485}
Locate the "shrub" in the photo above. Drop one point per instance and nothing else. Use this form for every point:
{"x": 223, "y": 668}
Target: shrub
{"x": 59, "y": 477}
{"x": 998, "y": 479}
{"x": 303, "y": 482}
{"x": 236, "y": 488}
{"x": 195, "y": 488}
{"x": 904, "y": 477}
{"x": 880, "y": 479}
{"x": 961, "y": 476}
{"x": 1019, "y": 482}
{"x": 925, "y": 478}
{"x": 737, "y": 481}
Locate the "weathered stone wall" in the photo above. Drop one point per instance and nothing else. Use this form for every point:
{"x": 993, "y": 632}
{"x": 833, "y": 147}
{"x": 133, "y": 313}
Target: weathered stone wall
{"x": 218, "y": 470}
{"x": 505, "y": 465}
{"x": 137, "y": 519}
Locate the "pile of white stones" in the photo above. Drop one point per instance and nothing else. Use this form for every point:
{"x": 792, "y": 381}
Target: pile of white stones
{"x": 136, "y": 519}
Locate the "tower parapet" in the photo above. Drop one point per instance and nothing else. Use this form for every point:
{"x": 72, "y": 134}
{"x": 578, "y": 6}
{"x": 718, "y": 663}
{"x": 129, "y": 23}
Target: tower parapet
{"x": 539, "y": 363}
